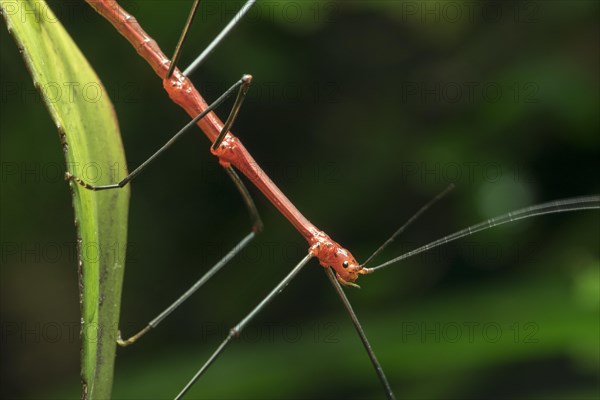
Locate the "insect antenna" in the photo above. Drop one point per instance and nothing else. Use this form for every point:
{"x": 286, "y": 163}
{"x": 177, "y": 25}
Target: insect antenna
{"x": 554, "y": 207}
{"x": 359, "y": 329}
{"x": 409, "y": 222}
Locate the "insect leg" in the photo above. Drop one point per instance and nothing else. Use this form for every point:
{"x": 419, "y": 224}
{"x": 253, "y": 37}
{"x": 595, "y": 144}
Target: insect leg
{"x": 182, "y": 38}
{"x": 216, "y": 41}
{"x": 211, "y": 272}
{"x": 239, "y": 100}
{"x": 153, "y": 157}
{"x": 213, "y": 45}
{"x": 363, "y": 337}
{"x": 237, "y": 329}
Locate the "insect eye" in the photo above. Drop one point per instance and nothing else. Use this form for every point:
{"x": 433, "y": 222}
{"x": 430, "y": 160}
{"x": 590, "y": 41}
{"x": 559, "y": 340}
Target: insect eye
{"x": 345, "y": 264}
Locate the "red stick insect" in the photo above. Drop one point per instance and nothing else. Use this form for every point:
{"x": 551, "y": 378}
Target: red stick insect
{"x": 233, "y": 156}
{"x": 214, "y": 128}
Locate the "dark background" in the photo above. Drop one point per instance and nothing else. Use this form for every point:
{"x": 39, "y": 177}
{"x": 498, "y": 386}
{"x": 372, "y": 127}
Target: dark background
{"x": 361, "y": 111}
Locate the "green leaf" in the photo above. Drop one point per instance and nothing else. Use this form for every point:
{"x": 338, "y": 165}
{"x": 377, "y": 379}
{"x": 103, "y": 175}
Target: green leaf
{"x": 89, "y": 133}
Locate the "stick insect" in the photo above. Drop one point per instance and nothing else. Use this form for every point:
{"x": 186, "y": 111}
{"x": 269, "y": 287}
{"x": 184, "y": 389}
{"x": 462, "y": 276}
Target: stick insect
{"x": 407, "y": 168}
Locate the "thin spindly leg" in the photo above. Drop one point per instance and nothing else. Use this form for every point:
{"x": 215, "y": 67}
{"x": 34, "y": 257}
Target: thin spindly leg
{"x": 182, "y": 38}
{"x": 211, "y": 272}
{"x": 239, "y": 100}
{"x": 257, "y": 225}
{"x": 237, "y": 329}
{"x": 240, "y": 84}
{"x": 386, "y": 385}
{"x": 213, "y": 45}
{"x": 216, "y": 41}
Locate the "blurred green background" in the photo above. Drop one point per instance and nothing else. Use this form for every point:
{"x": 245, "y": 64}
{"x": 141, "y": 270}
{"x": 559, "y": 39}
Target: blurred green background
{"x": 361, "y": 111}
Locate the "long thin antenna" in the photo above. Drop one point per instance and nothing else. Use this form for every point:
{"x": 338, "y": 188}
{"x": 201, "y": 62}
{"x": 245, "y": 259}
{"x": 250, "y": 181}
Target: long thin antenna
{"x": 216, "y": 41}
{"x": 363, "y": 337}
{"x": 236, "y": 330}
{"x": 409, "y": 222}
{"x": 182, "y": 38}
{"x": 559, "y": 206}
